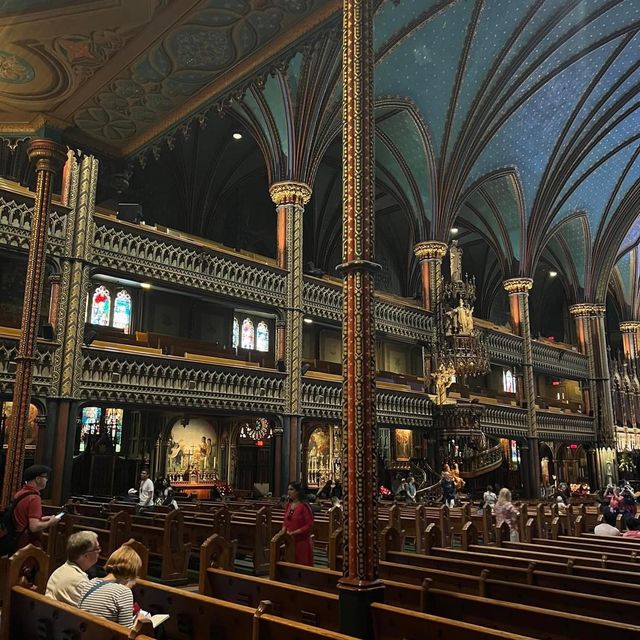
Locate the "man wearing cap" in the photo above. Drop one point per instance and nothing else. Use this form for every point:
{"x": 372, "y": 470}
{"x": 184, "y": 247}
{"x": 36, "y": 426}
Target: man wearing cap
{"x": 27, "y": 513}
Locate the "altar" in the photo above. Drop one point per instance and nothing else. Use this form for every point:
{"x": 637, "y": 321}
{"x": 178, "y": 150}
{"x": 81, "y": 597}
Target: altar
{"x": 200, "y": 490}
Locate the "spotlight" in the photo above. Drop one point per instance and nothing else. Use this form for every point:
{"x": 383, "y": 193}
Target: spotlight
{"x": 237, "y": 135}
{"x": 145, "y": 285}
{"x": 454, "y": 230}
{"x": 307, "y": 320}
{"x": 553, "y": 274}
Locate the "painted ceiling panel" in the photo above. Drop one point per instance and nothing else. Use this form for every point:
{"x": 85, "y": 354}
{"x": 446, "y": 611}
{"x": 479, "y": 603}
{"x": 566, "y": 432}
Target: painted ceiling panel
{"x": 479, "y": 212}
{"x": 424, "y": 66}
{"x": 273, "y": 95}
{"x": 401, "y": 129}
{"x": 573, "y": 234}
{"x": 625, "y": 268}
{"x": 502, "y": 192}
{"x": 633, "y": 235}
{"x": 492, "y": 32}
{"x": 528, "y": 137}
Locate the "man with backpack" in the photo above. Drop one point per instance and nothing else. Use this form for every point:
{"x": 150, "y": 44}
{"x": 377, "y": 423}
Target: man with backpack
{"x": 25, "y": 512}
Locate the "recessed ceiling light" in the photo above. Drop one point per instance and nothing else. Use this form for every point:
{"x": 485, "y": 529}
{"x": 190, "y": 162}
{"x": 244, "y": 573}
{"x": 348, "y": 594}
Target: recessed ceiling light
{"x": 553, "y": 274}
{"x": 307, "y": 320}
{"x": 145, "y": 285}
{"x": 237, "y": 135}
{"x": 454, "y": 229}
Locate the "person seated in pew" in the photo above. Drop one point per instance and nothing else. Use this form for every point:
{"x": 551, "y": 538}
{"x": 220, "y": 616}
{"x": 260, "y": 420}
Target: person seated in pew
{"x": 608, "y": 527}
{"x": 298, "y": 521}
{"x": 633, "y": 528}
{"x": 111, "y": 597}
{"x": 506, "y": 512}
{"x": 69, "y": 581}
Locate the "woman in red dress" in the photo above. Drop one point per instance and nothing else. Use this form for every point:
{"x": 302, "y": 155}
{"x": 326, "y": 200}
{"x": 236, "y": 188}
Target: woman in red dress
{"x": 298, "y": 521}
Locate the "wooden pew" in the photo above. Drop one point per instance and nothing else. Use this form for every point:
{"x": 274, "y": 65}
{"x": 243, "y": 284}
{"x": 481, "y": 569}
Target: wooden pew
{"x": 28, "y": 614}
{"x": 418, "y": 626}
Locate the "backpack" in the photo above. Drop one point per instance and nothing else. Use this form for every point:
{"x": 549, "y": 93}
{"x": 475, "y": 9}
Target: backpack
{"x": 8, "y": 533}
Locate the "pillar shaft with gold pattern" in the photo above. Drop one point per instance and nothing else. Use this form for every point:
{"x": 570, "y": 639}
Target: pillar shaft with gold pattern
{"x": 630, "y": 331}
{"x": 359, "y": 585}
{"x": 590, "y": 323}
{"x": 518, "y": 290}
{"x": 82, "y": 179}
{"x": 48, "y": 157}
{"x": 290, "y": 199}
{"x": 430, "y": 254}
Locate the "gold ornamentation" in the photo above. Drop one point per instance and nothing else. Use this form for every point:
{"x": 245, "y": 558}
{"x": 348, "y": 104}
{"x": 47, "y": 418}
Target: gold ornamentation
{"x": 586, "y": 310}
{"x": 630, "y": 326}
{"x": 290, "y": 192}
{"x": 517, "y": 285}
{"x": 430, "y": 250}
{"x": 443, "y": 377}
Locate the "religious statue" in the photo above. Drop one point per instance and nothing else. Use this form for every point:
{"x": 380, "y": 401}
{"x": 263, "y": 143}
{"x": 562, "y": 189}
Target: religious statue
{"x": 452, "y": 326}
{"x": 455, "y": 473}
{"x": 443, "y": 378}
{"x": 455, "y": 261}
{"x": 464, "y": 318}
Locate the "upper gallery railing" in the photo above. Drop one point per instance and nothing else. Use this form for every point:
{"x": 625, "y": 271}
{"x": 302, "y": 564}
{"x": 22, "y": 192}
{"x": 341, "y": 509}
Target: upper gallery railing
{"x": 43, "y": 367}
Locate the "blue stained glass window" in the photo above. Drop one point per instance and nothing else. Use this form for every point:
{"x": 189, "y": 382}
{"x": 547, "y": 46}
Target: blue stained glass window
{"x": 248, "y": 340}
{"x": 101, "y": 306}
{"x": 235, "y": 336}
{"x": 90, "y": 424}
{"x": 262, "y": 337}
{"x": 113, "y": 423}
{"x": 122, "y": 311}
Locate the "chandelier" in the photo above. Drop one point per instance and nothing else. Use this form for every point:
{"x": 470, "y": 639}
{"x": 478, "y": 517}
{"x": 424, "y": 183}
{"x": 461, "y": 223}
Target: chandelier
{"x": 459, "y": 347}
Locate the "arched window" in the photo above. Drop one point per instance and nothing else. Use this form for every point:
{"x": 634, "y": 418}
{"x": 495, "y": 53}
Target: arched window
{"x": 101, "y": 306}
{"x": 235, "y": 336}
{"x": 508, "y": 382}
{"x": 248, "y": 340}
{"x": 262, "y": 337}
{"x": 113, "y": 419}
{"x": 122, "y": 311}
{"x": 90, "y": 424}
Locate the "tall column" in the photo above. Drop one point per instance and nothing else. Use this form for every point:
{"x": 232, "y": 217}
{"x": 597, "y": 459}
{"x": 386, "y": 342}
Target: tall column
{"x": 589, "y": 319}
{"x": 290, "y": 199}
{"x": 359, "y": 585}
{"x": 48, "y": 157}
{"x": 518, "y": 290}
{"x": 430, "y": 254}
{"x": 630, "y": 338}
{"x": 82, "y": 181}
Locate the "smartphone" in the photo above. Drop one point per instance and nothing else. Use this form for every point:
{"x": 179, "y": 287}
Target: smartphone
{"x": 59, "y": 515}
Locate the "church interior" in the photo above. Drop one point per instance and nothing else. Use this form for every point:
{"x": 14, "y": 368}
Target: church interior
{"x": 385, "y": 249}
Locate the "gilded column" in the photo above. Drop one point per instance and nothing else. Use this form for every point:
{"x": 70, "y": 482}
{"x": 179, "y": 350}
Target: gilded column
{"x": 290, "y": 199}
{"x": 589, "y": 319}
{"x": 48, "y": 157}
{"x": 518, "y": 290}
{"x": 359, "y": 585}
{"x": 430, "y": 254}
{"x": 630, "y": 331}
{"x": 82, "y": 178}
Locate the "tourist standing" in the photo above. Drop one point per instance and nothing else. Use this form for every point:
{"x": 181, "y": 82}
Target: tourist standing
{"x": 145, "y": 492}
{"x": 504, "y": 511}
{"x": 490, "y": 499}
{"x": 448, "y": 487}
{"x": 411, "y": 489}
{"x": 28, "y": 520}
{"x": 298, "y": 521}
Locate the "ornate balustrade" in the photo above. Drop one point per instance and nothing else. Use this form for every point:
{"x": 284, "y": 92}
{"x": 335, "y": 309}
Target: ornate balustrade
{"x": 15, "y": 225}
{"x": 43, "y": 368}
{"x": 503, "y": 347}
{"x": 183, "y": 264}
{"x": 410, "y": 409}
{"x": 121, "y": 377}
{"x": 324, "y": 300}
{"x": 567, "y": 426}
{"x": 561, "y": 362}
{"x": 501, "y": 420}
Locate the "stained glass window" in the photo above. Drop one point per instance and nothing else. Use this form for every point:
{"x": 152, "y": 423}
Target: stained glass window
{"x": 122, "y": 311}
{"x": 508, "y": 381}
{"x": 262, "y": 337}
{"x": 248, "y": 340}
{"x": 90, "y": 424}
{"x": 101, "y": 306}
{"x": 235, "y": 336}
{"x": 113, "y": 423}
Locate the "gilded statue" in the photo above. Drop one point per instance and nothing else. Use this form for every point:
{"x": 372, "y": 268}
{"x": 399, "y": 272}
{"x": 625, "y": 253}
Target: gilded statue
{"x": 455, "y": 261}
{"x": 443, "y": 378}
{"x": 465, "y": 318}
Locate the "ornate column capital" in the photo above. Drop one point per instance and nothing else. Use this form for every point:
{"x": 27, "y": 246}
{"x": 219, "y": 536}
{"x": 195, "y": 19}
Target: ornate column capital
{"x": 586, "y": 310}
{"x": 290, "y": 192}
{"x": 46, "y": 155}
{"x": 630, "y": 326}
{"x": 430, "y": 250}
{"x": 518, "y": 285}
